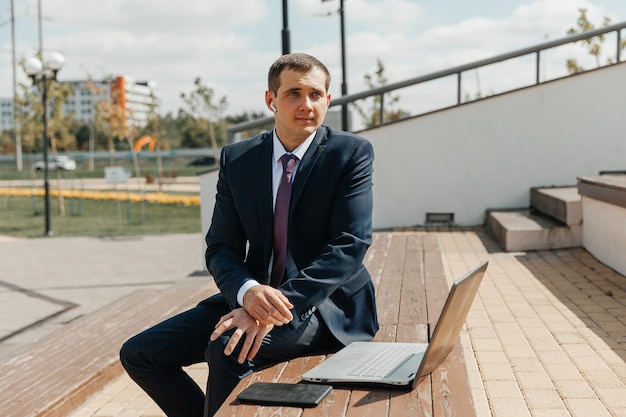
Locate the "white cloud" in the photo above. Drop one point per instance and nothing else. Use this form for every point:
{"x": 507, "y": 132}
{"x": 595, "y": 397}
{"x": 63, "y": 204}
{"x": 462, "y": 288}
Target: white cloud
{"x": 230, "y": 44}
{"x": 390, "y": 16}
{"x": 158, "y": 16}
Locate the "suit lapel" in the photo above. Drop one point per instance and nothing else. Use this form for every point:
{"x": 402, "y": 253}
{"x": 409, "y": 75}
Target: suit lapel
{"x": 263, "y": 190}
{"x": 306, "y": 165}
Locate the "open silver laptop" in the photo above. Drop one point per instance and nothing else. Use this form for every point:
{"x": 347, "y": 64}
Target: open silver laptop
{"x": 403, "y": 364}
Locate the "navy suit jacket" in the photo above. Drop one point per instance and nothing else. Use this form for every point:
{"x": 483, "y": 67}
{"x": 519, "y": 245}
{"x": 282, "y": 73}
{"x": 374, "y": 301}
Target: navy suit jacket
{"x": 330, "y": 229}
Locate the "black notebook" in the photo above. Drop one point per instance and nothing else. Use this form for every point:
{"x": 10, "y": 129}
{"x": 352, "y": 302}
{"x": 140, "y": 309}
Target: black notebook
{"x": 291, "y": 395}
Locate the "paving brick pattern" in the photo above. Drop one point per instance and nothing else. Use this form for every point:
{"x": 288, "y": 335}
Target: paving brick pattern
{"x": 545, "y": 337}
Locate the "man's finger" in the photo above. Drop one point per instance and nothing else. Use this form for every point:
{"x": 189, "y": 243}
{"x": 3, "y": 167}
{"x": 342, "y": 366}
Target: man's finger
{"x": 266, "y": 314}
{"x": 255, "y": 348}
{"x": 285, "y": 300}
{"x": 233, "y": 341}
{"x": 222, "y": 326}
{"x": 279, "y": 311}
{"x": 245, "y": 348}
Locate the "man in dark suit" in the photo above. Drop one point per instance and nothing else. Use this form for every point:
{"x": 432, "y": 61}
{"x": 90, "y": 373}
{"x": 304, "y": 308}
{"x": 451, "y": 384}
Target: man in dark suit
{"x": 312, "y": 295}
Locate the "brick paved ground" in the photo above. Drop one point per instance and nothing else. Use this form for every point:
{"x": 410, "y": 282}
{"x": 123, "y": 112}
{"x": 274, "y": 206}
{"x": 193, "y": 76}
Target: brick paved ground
{"x": 545, "y": 336}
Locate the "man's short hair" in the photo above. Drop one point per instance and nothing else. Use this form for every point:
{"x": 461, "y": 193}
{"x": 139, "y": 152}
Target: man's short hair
{"x": 298, "y": 62}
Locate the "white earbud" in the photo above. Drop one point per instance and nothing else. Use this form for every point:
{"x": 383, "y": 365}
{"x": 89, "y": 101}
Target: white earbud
{"x": 273, "y": 107}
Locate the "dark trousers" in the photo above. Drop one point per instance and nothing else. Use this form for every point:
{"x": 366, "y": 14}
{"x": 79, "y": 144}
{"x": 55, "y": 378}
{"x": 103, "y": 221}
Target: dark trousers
{"x": 155, "y": 357}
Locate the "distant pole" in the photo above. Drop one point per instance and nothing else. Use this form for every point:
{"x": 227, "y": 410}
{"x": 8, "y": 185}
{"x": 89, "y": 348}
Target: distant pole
{"x": 344, "y": 82}
{"x": 43, "y": 72}
{"x": 44, "y": 102}
{"x": 46, "y": 143}
{"x": 40, "y": 30}
{"x": 16, "y": 129}
{"x": 285, "y": 33}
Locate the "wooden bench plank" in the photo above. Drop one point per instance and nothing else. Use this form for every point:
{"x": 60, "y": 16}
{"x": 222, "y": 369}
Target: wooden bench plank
{"x": 411, "y": 288}
{"x": 55, "y": 375}
{"x": 389, "y": 290}
{"x": 413, "y": 291}
{"x": 363, "y": 403}
{"x": 449, "y": 379}
{"x": 418, "y": 402}
{"x": 291, "y": 375}
{"x": 376, "y": 256}
{"x": 334, "y": 405}
{"x": 434, "y": 280}
{"x": 234, "y": 408}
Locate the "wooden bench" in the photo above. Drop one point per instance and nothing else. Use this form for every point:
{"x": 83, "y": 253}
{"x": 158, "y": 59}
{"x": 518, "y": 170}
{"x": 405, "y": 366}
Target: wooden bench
{"x": 411, "y": 288}
{"x": 57, "y": 374}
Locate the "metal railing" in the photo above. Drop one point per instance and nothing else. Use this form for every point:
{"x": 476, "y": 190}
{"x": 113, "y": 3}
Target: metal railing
{"x": 458, "y": 71}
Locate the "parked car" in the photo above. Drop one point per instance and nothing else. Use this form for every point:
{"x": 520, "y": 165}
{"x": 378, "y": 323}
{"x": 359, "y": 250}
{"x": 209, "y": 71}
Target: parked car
{"x": 202, "y": 161}
{"x": 56, "y": 162}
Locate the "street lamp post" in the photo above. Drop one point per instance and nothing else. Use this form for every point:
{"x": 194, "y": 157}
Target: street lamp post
{"x": 42, "y": 73}
{"x": 344, "y": 82}
{"x": 285, "y": 32}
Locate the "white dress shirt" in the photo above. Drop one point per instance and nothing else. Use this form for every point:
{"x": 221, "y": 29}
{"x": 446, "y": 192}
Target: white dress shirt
{"x": 277, "y": 173}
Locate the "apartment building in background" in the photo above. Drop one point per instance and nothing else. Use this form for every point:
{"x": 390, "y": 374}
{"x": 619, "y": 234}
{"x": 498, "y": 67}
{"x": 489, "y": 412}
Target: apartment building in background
{"x": 6, "y": 114}
{"x": 137, "y": 98}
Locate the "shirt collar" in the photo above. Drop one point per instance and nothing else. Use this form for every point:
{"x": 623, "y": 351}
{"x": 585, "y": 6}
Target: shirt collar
{"x": 279, "y": 149}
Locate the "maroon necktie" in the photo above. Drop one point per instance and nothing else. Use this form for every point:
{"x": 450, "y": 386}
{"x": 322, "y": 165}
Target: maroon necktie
{"x": 281, "y": 215}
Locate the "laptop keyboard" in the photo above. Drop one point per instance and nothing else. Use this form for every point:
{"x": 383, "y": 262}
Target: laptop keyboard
{"x": 385, "y": 362}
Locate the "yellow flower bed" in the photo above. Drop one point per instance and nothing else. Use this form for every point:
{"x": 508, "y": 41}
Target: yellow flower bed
{"x": 157, "y": 197}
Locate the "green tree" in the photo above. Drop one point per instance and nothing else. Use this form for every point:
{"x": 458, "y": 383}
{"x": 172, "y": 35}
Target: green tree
{"x": 7, "y": 144}
{"x": 29, "y": 115}
{"x": 593, "y": 44}
{"x": 112, "y": 121}
{"x": 59, "y": 122}
{"x": 82, "y": 132}
{"x": 169, "y": 131}
{"x": 153, "y": 125}
{"x": 247, "y": 116}
{"x": 371, "y": 116}
{"x": 30, "y": 111}
{"x": 201, "y": 121}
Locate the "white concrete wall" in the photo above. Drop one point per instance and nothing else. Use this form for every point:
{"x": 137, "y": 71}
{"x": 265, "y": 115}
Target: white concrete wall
{"x": 604, "y": 228}
{"x": 488, "y": 154}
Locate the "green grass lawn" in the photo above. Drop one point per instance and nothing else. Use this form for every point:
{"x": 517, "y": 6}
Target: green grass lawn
{"x": 24, "y": 217}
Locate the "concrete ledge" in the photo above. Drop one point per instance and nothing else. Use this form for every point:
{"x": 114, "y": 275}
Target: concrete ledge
{"x": 604, "y": 217}
{"x": 57, "y": 374}
{"x": 608, "y": 188}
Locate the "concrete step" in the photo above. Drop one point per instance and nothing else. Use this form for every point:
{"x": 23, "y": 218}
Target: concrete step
{"x": 561, "y": 203}
{"x": 526, "y": 229}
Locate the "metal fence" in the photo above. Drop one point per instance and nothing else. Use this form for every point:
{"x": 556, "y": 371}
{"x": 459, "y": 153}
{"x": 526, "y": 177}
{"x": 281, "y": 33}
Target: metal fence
{"x": 536, "y": 52}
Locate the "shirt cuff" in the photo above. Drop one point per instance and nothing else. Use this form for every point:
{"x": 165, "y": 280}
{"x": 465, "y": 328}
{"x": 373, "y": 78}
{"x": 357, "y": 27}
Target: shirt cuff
{"x": 245, "y": 287}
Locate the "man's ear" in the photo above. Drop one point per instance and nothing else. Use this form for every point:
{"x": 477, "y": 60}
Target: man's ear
{"x": 269, "y": 101}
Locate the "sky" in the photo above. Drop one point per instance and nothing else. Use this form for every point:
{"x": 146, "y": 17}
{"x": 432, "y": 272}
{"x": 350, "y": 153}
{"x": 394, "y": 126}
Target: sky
{"x": 231, "y": 44}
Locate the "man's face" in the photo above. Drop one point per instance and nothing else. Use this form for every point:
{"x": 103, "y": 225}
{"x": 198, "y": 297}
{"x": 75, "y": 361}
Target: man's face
{"x": 301, "y": 103}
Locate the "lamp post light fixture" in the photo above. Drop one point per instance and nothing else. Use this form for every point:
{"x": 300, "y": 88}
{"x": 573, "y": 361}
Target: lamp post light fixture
{"x": 42, "y": 73}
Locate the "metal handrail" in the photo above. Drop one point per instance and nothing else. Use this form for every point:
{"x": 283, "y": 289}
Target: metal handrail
{"x": 458, "y": 70}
